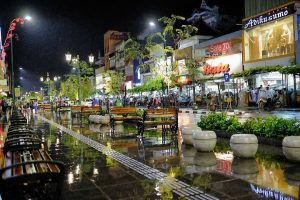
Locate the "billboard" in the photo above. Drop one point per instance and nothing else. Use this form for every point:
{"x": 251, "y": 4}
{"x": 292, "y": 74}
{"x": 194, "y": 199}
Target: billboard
{"x": 111, "y": 38}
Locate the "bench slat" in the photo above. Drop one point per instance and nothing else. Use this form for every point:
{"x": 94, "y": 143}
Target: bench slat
{"x": 42, "y": 167}
{"x": 17, "y": 159}
{"x": 45, "y": 155}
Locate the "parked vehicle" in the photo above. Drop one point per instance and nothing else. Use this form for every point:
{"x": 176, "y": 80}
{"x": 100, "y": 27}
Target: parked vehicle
{"x": 184, "y": 100}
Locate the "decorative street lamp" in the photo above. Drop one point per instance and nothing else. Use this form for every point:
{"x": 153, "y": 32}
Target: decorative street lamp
{"x": 47, "y": 81}
{"x": 75, "y": 63}
{"x": 91, "y": 59}
{"x": 8, "y": 42}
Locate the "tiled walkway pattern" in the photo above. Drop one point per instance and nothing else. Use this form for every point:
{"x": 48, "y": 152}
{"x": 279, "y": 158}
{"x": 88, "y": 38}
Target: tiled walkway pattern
{"x": 178, "y": 187}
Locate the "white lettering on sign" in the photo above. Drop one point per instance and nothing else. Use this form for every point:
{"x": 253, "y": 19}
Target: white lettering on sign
{"x": 273, "y": 15}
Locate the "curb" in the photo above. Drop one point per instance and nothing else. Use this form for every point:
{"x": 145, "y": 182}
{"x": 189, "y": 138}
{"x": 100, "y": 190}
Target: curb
{"x": 207, "y": 112}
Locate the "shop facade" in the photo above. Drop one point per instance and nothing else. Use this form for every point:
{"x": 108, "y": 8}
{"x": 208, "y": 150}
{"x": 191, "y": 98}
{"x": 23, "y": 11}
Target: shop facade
{"x": 219, "y": 56}
{"x": 271, "y": 39}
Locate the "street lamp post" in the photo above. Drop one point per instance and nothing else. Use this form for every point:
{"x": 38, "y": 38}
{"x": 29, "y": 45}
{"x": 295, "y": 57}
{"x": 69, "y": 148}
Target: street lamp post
{"x": 8, "y": 42}
{"x": 48, "y": 82}
{"x": 75, "y": 62}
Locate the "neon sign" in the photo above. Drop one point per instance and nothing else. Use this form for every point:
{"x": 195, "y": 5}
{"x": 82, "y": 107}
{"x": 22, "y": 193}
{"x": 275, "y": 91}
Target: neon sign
{"x": 220, "y": 47}
{"x": 268, "y": 17}
{"x": 222, "y": 68}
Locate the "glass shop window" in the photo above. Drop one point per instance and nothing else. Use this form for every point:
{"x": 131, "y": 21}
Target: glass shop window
{"x": 269, "y": 40}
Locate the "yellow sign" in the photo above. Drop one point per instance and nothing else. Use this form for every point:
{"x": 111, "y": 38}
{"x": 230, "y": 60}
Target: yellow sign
{"x": 4, "y": 88}
{"x": 17, "y": 92}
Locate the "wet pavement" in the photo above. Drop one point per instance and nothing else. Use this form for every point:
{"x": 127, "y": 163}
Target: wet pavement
{"x": 96, "y": 174}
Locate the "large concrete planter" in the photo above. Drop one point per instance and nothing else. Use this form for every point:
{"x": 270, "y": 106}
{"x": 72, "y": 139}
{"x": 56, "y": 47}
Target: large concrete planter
{"x": 291, "y": 148}
{"x": 187, "y": 132}
{"x": 244, "y": 145}
{"x": 189, "y": 155}
{"x": 105, "y": 129}
{"x": 246, "y": 169}
{"x": 205, "y": 162}
{"x": 119, "y": 128}
{"x": 204, "y": 141}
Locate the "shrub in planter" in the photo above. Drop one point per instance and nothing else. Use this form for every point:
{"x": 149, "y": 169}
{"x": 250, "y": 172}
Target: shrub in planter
{"x": 233, "y": 125}
{"x": 213, "y": 121}
{"x": 270, "y": 127}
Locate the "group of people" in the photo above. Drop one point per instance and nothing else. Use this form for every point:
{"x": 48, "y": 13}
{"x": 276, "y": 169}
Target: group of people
{"x": 5, "y": 106}
{"x": 267, "y": 95}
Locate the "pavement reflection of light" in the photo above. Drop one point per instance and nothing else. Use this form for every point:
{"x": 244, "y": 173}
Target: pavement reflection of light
{"x": 70, "y": 178}
{"x": 77, "y": 169}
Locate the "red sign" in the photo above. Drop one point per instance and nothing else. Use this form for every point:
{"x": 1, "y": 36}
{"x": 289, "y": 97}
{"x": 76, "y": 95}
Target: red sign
{"x": 208, "y": 69}
{"x": 220, "y": 47}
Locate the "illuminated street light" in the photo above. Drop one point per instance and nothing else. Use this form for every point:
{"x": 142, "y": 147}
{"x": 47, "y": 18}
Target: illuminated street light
{"x": 20, "y": 68}
{"x": 75, "y": 64}
{"x": 91, "y": 59}
{"x": 28, "y": 18}
{"x": 151, "y": 23}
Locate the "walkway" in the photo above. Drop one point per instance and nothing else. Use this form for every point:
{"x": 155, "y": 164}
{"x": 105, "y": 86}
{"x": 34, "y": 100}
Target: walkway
{"x": 178, "y": 187}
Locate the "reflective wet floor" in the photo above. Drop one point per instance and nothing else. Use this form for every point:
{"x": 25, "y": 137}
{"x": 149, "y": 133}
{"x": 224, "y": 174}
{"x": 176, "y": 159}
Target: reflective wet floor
{"x": 94, "y": 175}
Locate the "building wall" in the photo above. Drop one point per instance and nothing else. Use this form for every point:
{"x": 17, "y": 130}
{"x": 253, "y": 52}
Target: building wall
{"x": 111, "y": 39}
{"x": 254, "y": 7}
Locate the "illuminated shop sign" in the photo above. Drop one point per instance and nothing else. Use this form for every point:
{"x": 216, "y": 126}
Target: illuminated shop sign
{"x": 268, "y": 17}
{"x": 220, "y": 47}
{"x": 222, "y": 68}
{"x": 119, "y": 35}
{"x": 219, "y": 65}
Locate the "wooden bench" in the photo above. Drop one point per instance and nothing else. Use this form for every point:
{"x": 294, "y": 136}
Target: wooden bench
{"x": 75, "y": 109}
{"x": 86, "y": 111}
{"x": 44, "y": 107}
{"x": 123, "y": 114}
{"x": 166, "y": 117}
{"x": 31, "y": 172}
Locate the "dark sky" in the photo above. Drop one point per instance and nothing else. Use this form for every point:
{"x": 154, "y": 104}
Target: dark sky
{"x": 59, "y": 26}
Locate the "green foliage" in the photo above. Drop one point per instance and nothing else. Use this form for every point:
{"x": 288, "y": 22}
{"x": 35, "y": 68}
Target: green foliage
{"x": 69, "y": 87}
{"x": 270, "y": 127}
{"x": 203, "y": 181}
{"x": 258, "y": 70}
{"x": 113, "y": 81}
{"x": 213, "y": 121}
{"x": 33, "y": 95}
{"x": 233, "y": 125}
{"x": 150, "y": 85}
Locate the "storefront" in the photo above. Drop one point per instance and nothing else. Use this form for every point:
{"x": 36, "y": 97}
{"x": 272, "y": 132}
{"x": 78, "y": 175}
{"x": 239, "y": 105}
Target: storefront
{"x": 218, "y": 56}
{"x": 269, "y": 39}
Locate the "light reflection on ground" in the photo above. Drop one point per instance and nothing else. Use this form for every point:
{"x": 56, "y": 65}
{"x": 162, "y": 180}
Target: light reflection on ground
{"x": 218, "y": 172}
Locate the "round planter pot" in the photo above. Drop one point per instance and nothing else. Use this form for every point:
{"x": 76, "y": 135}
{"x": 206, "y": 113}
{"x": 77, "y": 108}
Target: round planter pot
{"x": 291, "y": 148}
{"x": 204, "y": 141}
{"x": 189, "y": 155}
{"x": 104, "y": 119}
{"x": 187, "y": 133}
{"x": 104, "y": 129}
{"x": 244, "y": 168}
{"x": 94, "y": 127}
{"x": 119, "y": 128}
{"x": 205, "y": 162}
{"x": 244, "y": 145}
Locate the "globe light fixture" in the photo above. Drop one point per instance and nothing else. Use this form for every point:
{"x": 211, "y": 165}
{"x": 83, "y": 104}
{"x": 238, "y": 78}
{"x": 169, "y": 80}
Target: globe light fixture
{"x": 151, "y": 23}
{"x": 68, "y": 57}
{"x": 91, "y": 59}
{"x": 28, "y": 18}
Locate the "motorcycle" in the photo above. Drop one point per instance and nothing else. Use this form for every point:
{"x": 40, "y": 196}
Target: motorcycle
{"x": 269, "y": 104}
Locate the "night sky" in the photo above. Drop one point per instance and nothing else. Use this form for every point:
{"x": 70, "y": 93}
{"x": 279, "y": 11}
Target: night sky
{"x": 59, "y": 26}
